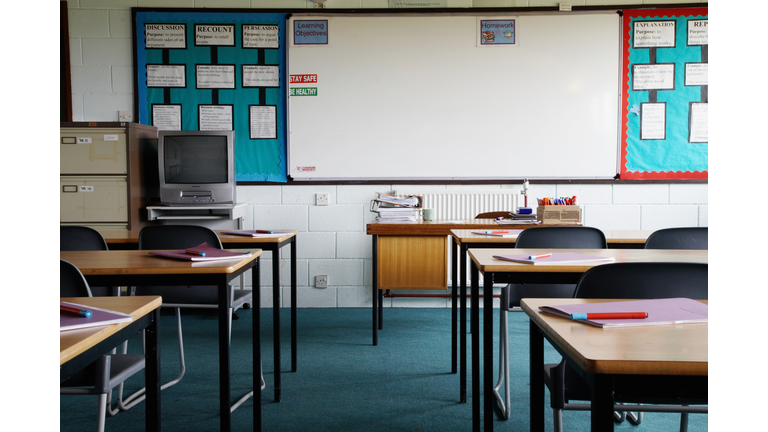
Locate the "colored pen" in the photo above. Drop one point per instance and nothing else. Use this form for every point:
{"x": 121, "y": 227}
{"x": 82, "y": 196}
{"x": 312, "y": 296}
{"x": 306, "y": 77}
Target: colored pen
{"x": 194, "y": 252}
{"x": 264, "y": 232}
{"x": 82, "y": 312}
{"x": 610, "y": 315}
{"x": 497, "y": 232}
{"x": 540, "y": 256}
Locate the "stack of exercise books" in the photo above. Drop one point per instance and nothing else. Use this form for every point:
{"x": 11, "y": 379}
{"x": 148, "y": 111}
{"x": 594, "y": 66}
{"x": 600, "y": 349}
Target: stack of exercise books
{"x": 397, "y": 214}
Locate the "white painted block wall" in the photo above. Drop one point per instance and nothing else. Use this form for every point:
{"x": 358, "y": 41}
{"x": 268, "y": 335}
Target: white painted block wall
{"x": 332, "y": 238}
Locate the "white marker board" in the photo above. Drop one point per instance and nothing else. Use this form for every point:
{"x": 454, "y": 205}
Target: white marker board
{"x": 415, "y": 97}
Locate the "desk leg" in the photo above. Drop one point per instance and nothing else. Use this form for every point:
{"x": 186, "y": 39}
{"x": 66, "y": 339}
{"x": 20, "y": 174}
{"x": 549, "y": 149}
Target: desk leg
{"x": 256, "y": 351}
{"x": 224, "y": 358}
{"x": 294, "y": 307}
{"x": 276, "y": 319}
{"x": 602, "y": 403}
{"x": 463, "y": 327}
{"x": 488, "y": 398}
{"x": 375, "y": 285}
{"x": 152, "y": 373}
{"x": 475, "y": 330}
{"x": 536, "y": 365}
{"x": 454, "y": 310}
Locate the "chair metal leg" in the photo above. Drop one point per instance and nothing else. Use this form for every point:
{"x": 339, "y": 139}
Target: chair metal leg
{"x": 135, "y": 398}
{"x": 635, "y": 419}
{"x": 102, "y": 412}
{"x": 504, "y": 404}
{"x": 684, "y": 422}
{"x": 557, "y": 417}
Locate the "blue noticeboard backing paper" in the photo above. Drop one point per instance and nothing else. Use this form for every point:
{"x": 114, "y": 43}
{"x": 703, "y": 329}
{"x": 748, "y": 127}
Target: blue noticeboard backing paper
{"x": 255, "y": 159}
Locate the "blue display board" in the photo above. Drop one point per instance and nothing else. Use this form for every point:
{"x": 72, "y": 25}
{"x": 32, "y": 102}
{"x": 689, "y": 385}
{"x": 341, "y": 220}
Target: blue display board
{"x": 214, "y": 70}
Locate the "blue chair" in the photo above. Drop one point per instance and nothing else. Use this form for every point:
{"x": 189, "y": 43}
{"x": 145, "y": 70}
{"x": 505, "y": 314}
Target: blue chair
{"x": 563, "y": 237}
{"x": 106, "y": 373}
{"x": 627, "y": 281}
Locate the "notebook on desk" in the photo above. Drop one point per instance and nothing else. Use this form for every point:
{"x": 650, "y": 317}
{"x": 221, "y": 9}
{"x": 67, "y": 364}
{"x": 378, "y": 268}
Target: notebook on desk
{"x": 557, "y": 258}
{"x": 660, "y": 312}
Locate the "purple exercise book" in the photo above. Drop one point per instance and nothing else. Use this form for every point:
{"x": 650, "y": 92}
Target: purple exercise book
{"x": 558, "y": 258}
{"x": 660, "y": 312}
{"x": 99, "y": 317}
{"x": 211, "y": 254}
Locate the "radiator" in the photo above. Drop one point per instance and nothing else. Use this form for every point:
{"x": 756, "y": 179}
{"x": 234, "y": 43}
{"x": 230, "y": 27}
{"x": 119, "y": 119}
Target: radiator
{"x": 468, "y": 204}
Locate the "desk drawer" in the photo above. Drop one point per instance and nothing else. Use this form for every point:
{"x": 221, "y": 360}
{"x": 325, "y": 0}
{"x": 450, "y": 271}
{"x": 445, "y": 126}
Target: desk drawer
{"x": 93, "y": 199}
{"x": 89, "y": 151}
{"x": 413, "y": 262}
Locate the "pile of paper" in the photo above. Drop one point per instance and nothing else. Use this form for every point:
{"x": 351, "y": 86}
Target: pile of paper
{"x": 397, "y": 214}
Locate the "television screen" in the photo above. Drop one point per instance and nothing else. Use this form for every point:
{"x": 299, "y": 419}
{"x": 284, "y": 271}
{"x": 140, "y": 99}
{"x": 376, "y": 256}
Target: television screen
{"x": 191, "y": 159}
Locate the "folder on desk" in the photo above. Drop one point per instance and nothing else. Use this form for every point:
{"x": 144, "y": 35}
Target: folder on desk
{"x": 558, "y": 258}
{"x": 99, "y": 317}
{"x": 660, "y": 312}
{"x": 203, "y": 252}
{"x": 409, "y": 201}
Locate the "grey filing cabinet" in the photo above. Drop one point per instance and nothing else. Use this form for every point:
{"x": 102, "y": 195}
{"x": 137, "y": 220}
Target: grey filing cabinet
{"x": 108, "y": 174}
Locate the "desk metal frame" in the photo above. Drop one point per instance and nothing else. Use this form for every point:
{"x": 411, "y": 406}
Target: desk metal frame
{"x": 149, "y": 322}
{"x": 222, "y": 280}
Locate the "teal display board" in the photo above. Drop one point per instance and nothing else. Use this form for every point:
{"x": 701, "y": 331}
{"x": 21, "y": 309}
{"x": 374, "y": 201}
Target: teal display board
{"x": 216, "y": 70}
{"x": 665, "y": 94}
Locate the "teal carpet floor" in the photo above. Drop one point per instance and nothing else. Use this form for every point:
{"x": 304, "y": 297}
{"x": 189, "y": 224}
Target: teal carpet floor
{"x": 343, "y": 383}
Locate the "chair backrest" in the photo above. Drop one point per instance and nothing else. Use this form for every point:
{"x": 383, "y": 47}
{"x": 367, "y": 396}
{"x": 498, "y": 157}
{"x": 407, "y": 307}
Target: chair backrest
{"x": 493, "y": 215}
{"x": 647, "y": 280}
{"x": 568, "y": 237}
{"x": 78, "y": 238}
{"x": 177, "y": 237}
{"x": 679, "y": 238}
{"x": 72, "y": 283}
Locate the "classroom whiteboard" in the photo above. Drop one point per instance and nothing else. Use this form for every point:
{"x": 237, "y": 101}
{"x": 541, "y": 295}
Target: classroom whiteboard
{"x": 415, "y": 97}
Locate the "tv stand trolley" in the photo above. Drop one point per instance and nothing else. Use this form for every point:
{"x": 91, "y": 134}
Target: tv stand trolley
{"x": 213, "y": 216}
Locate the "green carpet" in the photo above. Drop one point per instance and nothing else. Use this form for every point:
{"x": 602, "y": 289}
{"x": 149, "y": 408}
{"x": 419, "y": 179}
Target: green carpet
{"x": 343, "y": 383}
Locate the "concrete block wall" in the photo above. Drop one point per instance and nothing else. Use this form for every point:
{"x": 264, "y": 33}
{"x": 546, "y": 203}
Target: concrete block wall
{"x": 332, "y": 238}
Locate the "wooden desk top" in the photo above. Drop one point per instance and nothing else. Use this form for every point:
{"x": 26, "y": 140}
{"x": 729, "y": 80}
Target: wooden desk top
{"x": 483, "y": 258}
{"x": 141, "y": 263}
{"x": 611, "y": 236}
{"x": 75, "y": 342}
{"x": 653, "y": 350}
{"x": 132, "y": 237}
{"x": 439, "y": 227}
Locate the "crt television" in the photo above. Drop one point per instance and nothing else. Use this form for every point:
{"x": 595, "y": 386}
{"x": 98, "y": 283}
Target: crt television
{"x": 196, "y": 167}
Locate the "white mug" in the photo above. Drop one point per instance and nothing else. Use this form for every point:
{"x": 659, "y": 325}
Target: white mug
{"x": 428, "y": 214}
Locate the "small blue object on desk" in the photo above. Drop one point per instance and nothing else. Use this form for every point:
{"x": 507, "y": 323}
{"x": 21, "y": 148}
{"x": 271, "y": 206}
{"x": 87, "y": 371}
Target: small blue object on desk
{"x": 525, "y": 210}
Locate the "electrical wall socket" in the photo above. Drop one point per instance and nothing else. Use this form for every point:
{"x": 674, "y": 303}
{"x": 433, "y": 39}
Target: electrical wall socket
{"x": 321, "y": 199}
{"x": 124, "y": 116}
{"x": 321, "y": 281}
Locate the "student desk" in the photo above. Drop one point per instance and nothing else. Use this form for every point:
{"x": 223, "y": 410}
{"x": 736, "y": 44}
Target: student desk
{"x": 499, "y": 271}
{"x": 80, "y": 348}
{"x": 128, "y": 268}
{"x": 662, "y": 360}
{"x": 127, "y": 240}
{"x": 463, "y": 239}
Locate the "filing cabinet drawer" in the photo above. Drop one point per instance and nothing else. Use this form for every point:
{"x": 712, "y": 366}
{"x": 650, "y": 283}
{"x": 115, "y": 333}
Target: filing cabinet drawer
{"x": 91, "y": 151}
{"x": 93, "y": 199}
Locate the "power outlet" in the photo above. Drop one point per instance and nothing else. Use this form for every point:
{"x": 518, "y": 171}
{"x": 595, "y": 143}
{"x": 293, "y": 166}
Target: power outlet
{"x": 124, "y": 116}
{"x": 321, "y": 281}
{"x": 321, "y": 199}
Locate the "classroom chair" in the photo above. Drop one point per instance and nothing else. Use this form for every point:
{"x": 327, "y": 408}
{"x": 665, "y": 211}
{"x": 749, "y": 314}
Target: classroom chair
{"x": 562, "y": 237}
{"x": 177, "y": 297}
{"x": 106, "y": 373}
{"x": 81, "y": 238}
{"x": 628, "y": 281}
{"x": 679, "y": 238}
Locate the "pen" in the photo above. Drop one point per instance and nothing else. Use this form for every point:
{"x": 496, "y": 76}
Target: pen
{"x": 497, "y": 232}
{"x": 82, "y": 312}
{"x": 610, "y": 315}
{"x": 264, "y": 232}
{"x": 194, "y": 252}
{"x": 540, "y": 256}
